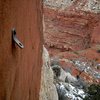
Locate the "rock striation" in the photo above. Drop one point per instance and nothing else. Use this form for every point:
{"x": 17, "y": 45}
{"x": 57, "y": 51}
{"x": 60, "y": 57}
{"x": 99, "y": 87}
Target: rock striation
{"x": 71, "y": 24}
{"x": 71, "y": 32}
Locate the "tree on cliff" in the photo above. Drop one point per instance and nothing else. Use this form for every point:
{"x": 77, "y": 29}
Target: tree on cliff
{"x": 93, "y": 92}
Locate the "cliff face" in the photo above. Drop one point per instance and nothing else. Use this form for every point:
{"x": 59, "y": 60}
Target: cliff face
{"x": 71, "y": 24}
{"x": 48, "y": 90}
{"x": 71, "y": 31}
{"x": 20, "y": 69}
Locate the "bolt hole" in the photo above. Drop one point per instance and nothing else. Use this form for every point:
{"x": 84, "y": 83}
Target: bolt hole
{"x": 20, "y": 44}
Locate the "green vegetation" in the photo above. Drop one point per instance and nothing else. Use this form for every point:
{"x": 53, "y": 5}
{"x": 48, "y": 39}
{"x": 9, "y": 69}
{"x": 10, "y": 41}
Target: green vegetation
{"x": 93, "y": 92}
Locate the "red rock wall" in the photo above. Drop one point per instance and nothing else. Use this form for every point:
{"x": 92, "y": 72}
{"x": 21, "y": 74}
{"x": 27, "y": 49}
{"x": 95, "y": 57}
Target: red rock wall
{"x": 20, "y": 69}
{"x": 72, "y": 28}
{"x": 96, "y": 34}
{"x": 69, "y": 30}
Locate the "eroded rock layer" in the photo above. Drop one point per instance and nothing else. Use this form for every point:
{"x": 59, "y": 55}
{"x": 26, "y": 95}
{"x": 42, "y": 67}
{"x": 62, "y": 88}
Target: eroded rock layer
{"x": 71, "y": 32}
{"x": 71, "y": 27}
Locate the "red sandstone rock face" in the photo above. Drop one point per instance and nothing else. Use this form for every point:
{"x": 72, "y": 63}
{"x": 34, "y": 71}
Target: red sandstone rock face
{"x": 20, "y": 69}
{"x": 96, "y": 35}
{"x": 69, "y": 30}
{"x": 72, "y": 26}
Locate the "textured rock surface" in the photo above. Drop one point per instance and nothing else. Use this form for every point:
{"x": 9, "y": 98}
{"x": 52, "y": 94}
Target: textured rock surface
{"x": 96, "y": 35}
{"x": 68, "y": 87}
{"x": 20, "y": 69}
{"x": 75, "y": 27}
{"x": 72, "y": 32}
{"x": 85, "y": 5}
{"x": 48, "y": 89}
{"x": 88, "y": 58}
{"x": 58, "y": 4}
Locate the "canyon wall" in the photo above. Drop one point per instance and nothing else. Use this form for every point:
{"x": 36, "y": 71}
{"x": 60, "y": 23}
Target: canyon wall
{"x": 71, "y": 32}
{"x": 71, "y": 24}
